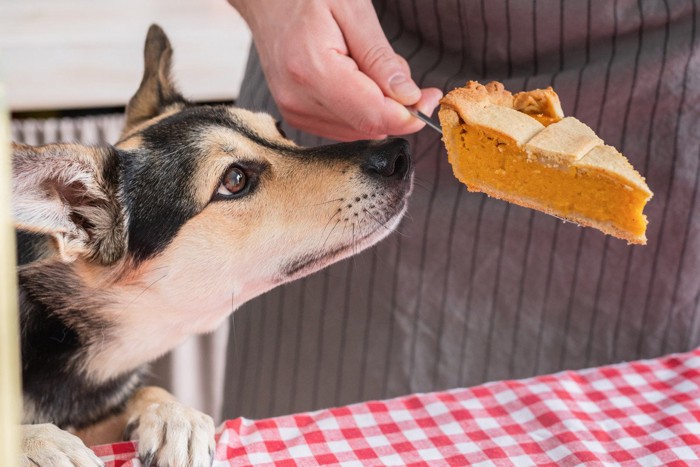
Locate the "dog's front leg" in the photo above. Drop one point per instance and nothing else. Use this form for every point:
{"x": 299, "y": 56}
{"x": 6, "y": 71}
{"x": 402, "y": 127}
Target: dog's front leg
{"x": 169, "y": 433}
{"x": 47, "y": 445}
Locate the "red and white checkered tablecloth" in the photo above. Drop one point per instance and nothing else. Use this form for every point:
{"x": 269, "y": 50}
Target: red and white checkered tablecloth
{"x": 638, "y": 413}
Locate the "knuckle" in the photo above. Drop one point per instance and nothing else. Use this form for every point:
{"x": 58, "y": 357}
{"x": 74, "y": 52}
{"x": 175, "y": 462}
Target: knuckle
{"x": 369, "y": 125}
{"x": 286, "y": 102}
{"x": 297, "y": 71}
{"x": 378, "y": 56}
{"x": 403, "y": 63}
{"x": 298, "y": 122}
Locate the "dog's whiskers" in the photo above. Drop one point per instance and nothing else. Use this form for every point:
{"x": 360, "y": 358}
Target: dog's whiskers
{"x": 377, "y": 220}
{"x": 145, "y": 290}
{"x": 329, "y": 201}
{"x": 128, "y": 305}
{"x": 331, "y": 218}
{"x": 233, "y": 329}
{"x": 323, "y": 246}
{"x": 422, "y": 185}
{"x": 354, "y": 243}
{"x": 383, "y": 224}
{"x": 424, "y": 181}
{"x": 400, "y": 232}
{"x": 329, "y": 221}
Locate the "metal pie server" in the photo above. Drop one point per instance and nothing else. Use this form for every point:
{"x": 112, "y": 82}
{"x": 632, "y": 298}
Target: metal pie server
{"x": 427, "y": 120}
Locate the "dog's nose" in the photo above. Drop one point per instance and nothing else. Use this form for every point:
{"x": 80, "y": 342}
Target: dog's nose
{"x": 390, "y": 158}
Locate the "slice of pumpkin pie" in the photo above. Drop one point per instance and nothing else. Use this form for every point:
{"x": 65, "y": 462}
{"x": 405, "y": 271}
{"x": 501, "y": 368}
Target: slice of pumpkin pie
{"x": 521, "y": 148}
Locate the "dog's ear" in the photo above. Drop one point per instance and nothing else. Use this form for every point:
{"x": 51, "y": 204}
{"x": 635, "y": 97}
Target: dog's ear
{"x": 157, "y": 91}
{"x": 70, "y": 192}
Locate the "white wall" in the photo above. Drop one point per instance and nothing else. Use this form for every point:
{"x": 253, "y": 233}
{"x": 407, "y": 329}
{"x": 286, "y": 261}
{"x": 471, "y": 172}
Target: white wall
{"x": 58, "y": 54}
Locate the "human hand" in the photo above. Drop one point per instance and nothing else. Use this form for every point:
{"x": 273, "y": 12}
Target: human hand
{"x": 331, "y": 69}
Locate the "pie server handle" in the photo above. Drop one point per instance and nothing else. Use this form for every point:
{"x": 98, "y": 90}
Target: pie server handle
{"x": 427, "y": 120}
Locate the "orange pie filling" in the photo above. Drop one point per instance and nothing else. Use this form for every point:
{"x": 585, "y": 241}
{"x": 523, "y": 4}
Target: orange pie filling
{"x": 493, "y": 163}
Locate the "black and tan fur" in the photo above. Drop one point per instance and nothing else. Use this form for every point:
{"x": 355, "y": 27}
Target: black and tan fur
{"x": 126, "y": 250}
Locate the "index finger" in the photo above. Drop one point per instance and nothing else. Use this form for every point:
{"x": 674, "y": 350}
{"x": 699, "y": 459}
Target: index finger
{"x": 359, "y": 101}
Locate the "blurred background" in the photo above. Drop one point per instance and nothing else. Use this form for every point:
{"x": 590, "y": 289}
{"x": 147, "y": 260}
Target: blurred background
{"x": 70, "y": 67}
{"x": 83, "y": 54}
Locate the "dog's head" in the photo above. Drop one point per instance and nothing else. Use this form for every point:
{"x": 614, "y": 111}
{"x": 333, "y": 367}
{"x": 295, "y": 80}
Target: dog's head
{"x": 214, "y": 199}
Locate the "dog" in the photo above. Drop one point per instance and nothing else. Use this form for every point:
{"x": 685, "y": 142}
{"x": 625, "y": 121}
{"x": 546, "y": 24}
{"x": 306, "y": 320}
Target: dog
{"x": 126, "y": 250}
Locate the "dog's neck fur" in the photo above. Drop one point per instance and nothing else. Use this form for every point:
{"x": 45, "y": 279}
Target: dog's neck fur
{"x": 129, "y": 319}
{"x": 58, "y": 322}
{"x": 70, "y": 312}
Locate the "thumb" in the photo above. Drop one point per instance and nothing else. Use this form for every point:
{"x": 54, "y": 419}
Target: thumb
{"x": 370, "y": 49}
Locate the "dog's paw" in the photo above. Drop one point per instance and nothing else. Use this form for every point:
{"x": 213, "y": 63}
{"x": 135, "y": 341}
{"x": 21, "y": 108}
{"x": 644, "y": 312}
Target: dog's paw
{"x": 46, "y": 445}
{"x": 171, "y": 434}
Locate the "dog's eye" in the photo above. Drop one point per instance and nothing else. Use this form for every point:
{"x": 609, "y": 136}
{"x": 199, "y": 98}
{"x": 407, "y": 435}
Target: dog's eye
{"x": 278, "y": 124}
{"x": 234, "y": 182}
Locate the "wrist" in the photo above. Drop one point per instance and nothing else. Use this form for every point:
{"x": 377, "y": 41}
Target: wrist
{"x": 248, "y": 10}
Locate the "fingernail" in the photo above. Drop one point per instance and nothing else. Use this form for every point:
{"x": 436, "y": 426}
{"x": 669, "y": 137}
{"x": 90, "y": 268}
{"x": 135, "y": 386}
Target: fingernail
{"x": 404, "y": 89}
